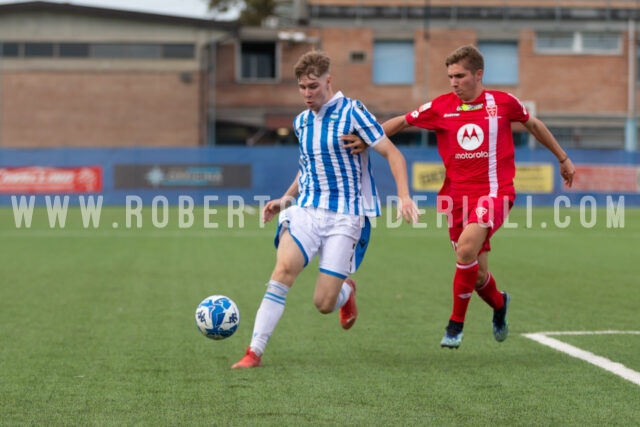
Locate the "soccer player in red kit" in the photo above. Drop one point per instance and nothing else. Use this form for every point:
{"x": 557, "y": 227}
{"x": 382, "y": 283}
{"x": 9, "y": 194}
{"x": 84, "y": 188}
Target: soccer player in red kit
{"x": 475, "y": 141}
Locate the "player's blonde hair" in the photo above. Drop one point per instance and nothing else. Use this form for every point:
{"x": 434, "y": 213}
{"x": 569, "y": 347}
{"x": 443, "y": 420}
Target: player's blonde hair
{"x": 315, "y": 63}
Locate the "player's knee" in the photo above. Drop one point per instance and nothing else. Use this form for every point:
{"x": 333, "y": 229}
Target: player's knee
{"x": 324, "y": 305}
{"x": 283, "y": 275}
{"x": 466, "y": 255}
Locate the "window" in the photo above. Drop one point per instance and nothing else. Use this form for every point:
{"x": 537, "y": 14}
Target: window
{"x": 554, "y": 42}
{"x": 74, "y": 50}
{"x": 38, "y": 49}
{"x": 126, "y": 50}
{"x": 638, "y": 65}
{"x": 144, "y": 51}
{"x": 357, "y": 56}
{"x": 393, "y": 62}
{"x": 257, "y": 60}
{"x": 578, "y": 42}
{"x": 600, "y": 42}
{"x": 98, "y": 50}
{"x": 9, "y": 50}
{"x": 501, "y": 63}
{"x": 108, "y": 50}
{"x": 178, "y": 51}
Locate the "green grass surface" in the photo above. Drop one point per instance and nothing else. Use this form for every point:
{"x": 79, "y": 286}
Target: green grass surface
{"x": 97, "y": 327}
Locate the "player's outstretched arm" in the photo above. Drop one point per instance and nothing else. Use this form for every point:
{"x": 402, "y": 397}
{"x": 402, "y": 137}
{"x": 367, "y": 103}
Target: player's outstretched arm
{"x": 398, "y": 165}
{"x": 541, "y": 132}
{"x": 395, "y": 125}
{"x": 355, "y": 145}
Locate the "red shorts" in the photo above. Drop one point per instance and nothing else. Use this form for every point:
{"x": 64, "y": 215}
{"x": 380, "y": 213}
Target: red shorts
{"x": 489, "y": 212}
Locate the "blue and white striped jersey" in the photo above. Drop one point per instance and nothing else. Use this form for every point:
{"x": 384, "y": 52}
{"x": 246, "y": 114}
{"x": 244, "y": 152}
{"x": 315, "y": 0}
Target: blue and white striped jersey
{"x": 330, "y": 177}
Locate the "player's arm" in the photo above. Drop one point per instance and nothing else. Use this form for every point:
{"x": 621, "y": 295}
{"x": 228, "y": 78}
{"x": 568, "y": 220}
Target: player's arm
{"x": 541, "y": 132}
{"x": 398, "y": 165}
{"x": 395, "y": 125}
{"x": 273, "y": 207}
{"x": 356, "y": 145}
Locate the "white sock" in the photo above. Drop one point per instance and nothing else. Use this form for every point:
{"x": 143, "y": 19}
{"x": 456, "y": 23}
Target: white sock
{"x": 268, "y": 315}
{"x": 343, "y": 296}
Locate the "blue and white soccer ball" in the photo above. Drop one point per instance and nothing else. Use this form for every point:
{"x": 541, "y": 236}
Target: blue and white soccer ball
{"x": 217, "y": 317}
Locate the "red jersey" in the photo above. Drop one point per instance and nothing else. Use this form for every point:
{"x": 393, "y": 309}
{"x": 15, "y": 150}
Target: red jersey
{"x": 475, "y": 142}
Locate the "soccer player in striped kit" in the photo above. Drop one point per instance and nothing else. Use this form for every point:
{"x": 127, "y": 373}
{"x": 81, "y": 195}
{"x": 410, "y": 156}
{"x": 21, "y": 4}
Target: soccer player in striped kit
{"x": 335, "y": 194}
{"x": 475, "y": 141}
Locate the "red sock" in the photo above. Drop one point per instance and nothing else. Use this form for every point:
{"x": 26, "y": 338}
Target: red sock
{"x": 490, "y": 293}
{"x": 464, "y": 282}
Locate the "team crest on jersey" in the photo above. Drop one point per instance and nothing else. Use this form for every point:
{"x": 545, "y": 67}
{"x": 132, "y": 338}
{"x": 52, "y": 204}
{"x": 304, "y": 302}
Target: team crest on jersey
{"x": 470, "y": 136}
{"x": 492, "y": 110}
{"x": 480, "y": 211}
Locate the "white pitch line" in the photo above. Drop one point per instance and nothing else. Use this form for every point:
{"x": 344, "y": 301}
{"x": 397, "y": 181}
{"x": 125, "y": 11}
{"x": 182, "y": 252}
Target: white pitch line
{"x": 607, "y": 332}
{"x": 599, "y": 361}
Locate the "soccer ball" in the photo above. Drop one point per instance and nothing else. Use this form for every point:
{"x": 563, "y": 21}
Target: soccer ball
{"x": 217, "y": 317}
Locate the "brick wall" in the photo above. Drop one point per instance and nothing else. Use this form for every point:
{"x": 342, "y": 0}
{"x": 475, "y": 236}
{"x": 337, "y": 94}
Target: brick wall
{"x": 99, "y": 109}
{"x": 576, "y": 85}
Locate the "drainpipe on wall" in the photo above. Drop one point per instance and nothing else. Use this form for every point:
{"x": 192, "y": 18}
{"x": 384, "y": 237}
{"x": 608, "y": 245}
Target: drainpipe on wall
{"x": 424, "y": 134}
{"x": 631, "y": 124}
{"x": 1, "y": 129}
{"x": 208, "y": 92}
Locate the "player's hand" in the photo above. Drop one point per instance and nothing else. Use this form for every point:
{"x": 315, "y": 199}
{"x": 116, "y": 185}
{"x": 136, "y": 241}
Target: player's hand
{"x": 408, "y": 210}
{"x": 353, "y": 144}
{"x": 271, "y": 209}
{"x": 567, "y": 171}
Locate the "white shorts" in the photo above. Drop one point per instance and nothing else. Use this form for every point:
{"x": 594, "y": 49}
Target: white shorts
{"x": 332, "y": 236}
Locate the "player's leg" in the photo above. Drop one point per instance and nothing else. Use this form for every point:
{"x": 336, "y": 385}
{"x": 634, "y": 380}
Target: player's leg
{"x": 497, "y": 300}
{"x": 289, "y": 263}
{"x": 336, "y": 293}
{"x": 296, "y": 246}
{"x": 340, "y": 254}
{"x": 468, "y": 245}
{"x": 331, "y": 292}
{"x": 347, "y": 299}
{"x": 486, "y": 284}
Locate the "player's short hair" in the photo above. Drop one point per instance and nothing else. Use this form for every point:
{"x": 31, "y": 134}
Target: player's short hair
{"x": 468, "y": 56}
{"x": 315, "y": 62}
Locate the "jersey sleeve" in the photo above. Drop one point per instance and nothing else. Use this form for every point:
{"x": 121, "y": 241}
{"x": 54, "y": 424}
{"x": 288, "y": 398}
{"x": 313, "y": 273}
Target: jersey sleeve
{"x": 425, "y": 116}
{"x": 518, "y": 111}
{"x": 366, "y": 125}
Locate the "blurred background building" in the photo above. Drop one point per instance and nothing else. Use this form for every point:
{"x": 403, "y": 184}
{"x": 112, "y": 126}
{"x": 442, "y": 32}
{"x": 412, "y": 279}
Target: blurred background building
{"x": 572, "y": 62}
{"x": 77, "y": 76}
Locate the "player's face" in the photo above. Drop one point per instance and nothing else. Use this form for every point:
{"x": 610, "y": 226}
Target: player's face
{"x": 465, "y": 84}
{"x": 315, "y": 90}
